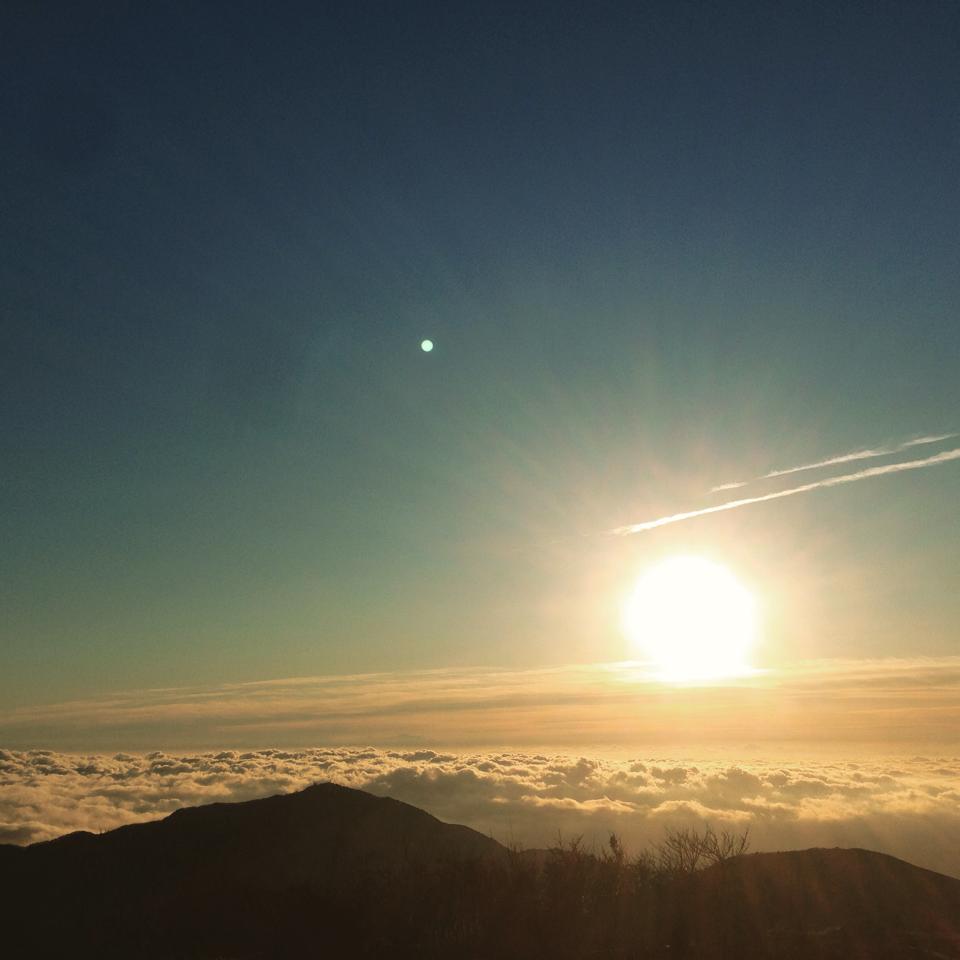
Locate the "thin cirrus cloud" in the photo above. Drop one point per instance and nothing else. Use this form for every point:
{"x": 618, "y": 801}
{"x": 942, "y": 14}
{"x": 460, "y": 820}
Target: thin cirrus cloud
{"x": 943, "y": 457}
{"x": 868, "y": 454}
{"x": 573, "y": 707}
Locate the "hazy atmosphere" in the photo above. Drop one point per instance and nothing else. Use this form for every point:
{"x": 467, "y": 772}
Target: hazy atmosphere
{"x": 546, "y": 415}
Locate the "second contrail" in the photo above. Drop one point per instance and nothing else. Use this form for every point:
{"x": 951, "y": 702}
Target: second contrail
{"x": 868, "y": 454}
{"x": 943, "y": 457}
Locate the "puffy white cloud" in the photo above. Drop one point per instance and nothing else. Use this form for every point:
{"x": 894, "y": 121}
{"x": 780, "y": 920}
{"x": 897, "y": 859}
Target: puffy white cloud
{"x": 907, "y": 807}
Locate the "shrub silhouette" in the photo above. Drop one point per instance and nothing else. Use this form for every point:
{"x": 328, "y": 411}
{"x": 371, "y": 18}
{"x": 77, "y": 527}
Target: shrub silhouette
{"x": 684, "y": 850}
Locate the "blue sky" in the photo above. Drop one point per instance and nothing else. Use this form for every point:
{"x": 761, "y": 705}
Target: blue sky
{"x": 658, "y": 247}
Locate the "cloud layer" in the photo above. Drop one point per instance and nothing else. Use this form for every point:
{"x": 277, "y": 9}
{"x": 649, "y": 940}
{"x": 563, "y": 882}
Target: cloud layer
{"x": 909, "y": 807}
{"x": 578, "y": 707}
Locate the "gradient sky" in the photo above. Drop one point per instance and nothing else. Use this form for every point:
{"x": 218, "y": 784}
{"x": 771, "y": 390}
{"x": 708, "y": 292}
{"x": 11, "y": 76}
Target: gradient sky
{"x": 658, "y": 246}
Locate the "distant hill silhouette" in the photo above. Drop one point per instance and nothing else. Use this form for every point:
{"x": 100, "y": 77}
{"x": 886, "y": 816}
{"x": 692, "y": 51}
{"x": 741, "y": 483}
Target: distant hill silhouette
{"x": 823, "y": 903}
{"x": 334, "y": 872}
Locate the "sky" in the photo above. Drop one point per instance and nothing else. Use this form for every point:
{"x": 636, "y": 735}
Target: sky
{"x": 660, "y": 248}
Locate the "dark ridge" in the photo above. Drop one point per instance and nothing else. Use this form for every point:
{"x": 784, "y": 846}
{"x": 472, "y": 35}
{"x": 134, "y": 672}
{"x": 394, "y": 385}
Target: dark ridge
{"x": 324, "y": 831}
{"x": 335, "y": 872}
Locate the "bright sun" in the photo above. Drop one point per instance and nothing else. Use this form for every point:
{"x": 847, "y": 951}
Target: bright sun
{"x": 693, "y": 619}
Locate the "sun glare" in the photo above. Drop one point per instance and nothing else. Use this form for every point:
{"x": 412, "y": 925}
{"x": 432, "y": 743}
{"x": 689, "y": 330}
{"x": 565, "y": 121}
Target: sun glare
{"x": 692, "y": 619}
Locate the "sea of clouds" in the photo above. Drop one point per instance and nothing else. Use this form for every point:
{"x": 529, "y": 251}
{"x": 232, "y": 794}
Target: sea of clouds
{"x": 909, "y": 807}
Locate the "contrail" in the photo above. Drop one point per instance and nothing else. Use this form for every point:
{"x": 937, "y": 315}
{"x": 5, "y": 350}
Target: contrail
{"x": 943, "y": 457}
{"x": 842, "y": 458}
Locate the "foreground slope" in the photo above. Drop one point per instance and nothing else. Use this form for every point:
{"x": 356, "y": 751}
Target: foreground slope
{"x": 334, "y": 872}
{"x": 822, "y": 903}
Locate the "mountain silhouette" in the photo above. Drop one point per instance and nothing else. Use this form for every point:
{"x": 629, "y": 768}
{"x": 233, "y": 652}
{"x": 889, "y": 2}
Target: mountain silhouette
{"x": 335, "y": 872}
{"x": 320, "y": 833}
